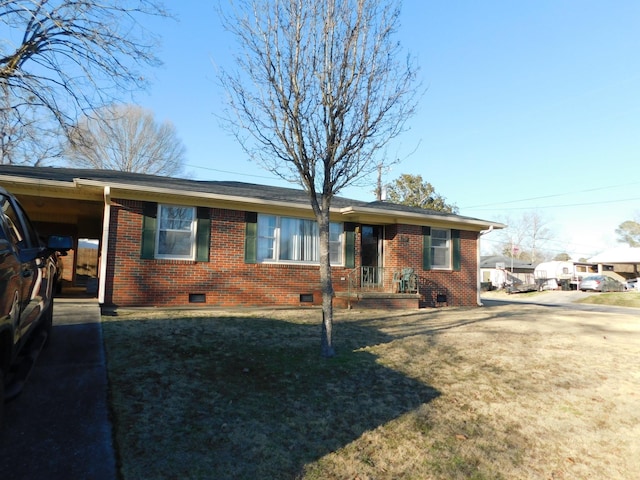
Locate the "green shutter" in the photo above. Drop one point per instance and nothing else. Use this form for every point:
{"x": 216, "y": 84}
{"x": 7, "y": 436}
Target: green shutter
{"x": 350, "y": 245}
{"x": 251, "y": 238}
{"x": 203, "y": 235}
{"x": 149, "y": 221}
{"x": 455, "y": 242}
{"x": 426, "y": 248}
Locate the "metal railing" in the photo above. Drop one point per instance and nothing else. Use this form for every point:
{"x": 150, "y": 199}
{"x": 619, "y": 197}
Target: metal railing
{"x": 371, "y": 279}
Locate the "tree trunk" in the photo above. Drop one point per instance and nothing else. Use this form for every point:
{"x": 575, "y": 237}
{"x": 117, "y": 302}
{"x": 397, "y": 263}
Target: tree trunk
{"x": 326, "y": 285}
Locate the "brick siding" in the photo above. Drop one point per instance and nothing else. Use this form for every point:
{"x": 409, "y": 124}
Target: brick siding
{"x": 226, "y": 280}
{"x": 403, "y": 248}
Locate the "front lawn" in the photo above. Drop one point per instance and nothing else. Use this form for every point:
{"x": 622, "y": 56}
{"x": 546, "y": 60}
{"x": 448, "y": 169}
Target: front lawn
{"x": 619, "y": 299}
{"x": 494, "y": 392}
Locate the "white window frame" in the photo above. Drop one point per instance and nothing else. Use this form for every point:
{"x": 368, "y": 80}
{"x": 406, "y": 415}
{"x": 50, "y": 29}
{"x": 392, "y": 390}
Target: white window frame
{"x": 191, "y": 231}
{"x": 446, "y": 248}
{"x": 336, "y": 243}
{"x": 270, "y": 241}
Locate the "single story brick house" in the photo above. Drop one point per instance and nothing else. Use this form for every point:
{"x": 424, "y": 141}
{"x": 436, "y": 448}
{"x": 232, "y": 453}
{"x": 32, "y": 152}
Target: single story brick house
{"x": 176, "y": 242}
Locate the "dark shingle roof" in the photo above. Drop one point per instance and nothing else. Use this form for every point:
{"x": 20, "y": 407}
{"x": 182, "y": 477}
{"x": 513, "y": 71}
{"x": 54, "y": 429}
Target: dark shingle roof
{"x": 491, "y": 260}
{"x": 235, "y": 189}
{"x": 238, "y": 189}
{"x": 405, "y": 208}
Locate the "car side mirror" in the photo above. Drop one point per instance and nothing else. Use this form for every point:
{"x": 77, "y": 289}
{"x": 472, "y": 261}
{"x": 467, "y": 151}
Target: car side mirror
{"x": 60, "y": 243}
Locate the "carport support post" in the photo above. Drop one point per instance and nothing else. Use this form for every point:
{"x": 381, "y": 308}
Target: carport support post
{"x": 104, "y": 245}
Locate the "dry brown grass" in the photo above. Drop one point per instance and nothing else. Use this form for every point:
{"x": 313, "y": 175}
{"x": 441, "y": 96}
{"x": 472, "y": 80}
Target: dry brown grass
{"x": 515, "y": 391}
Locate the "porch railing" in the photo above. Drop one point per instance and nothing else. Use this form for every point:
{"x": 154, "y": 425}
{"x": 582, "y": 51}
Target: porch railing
{"x": 367, "y": 279}
{"x": 378, "y": 279}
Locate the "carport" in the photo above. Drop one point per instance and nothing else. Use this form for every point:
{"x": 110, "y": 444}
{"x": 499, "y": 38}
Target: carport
{"x": 60, "y": 207}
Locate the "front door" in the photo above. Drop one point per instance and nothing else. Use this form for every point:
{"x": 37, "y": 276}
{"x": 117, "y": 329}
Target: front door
{"x": 371, "y": 255}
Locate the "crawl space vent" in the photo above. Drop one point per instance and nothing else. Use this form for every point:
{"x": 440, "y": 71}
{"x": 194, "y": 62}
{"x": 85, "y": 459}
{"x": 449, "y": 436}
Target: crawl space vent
{"x": 197, "y": 298}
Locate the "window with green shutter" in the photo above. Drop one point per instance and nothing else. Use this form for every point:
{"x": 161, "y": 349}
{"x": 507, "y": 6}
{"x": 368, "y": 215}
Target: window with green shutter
{"x": 278, "y": 239}
{"x": 175, "y": 232}
{"x": 440, "y": 249}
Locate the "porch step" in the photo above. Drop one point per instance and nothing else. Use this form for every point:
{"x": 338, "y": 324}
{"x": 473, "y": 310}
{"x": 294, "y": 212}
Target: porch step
{"x": 377, "y": 300}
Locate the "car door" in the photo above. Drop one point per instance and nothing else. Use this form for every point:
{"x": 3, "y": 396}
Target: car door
{"x": 10, "y": 278}
{"x": 31, "y": 282}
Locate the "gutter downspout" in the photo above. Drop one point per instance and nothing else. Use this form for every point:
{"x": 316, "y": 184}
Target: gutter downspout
{"x": 104, "y": 245}
{"x": 479, "y": 273}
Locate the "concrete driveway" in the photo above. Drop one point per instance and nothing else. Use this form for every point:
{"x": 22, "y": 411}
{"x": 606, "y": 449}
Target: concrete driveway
{"x": 59, "y": 427}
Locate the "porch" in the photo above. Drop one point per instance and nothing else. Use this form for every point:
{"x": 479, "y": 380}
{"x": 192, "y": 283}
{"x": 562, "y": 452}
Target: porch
{"x": 393, "y": 288}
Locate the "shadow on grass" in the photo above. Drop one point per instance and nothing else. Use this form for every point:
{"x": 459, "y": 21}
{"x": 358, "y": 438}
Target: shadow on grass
{"x": 242, "y": 397}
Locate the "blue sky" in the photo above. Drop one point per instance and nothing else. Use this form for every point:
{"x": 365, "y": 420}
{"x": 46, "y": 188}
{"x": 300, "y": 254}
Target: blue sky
{"x": 529, "y": 106}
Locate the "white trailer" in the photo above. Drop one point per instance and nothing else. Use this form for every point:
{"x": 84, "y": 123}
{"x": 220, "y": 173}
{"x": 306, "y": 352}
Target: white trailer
{"x": 561, "y": 274}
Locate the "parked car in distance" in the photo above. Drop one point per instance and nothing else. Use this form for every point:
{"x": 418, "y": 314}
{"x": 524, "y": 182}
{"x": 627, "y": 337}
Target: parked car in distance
{"x": 600, "y": 283}
{"x": 27, "y": 276}
{"x": 632, "y": 285}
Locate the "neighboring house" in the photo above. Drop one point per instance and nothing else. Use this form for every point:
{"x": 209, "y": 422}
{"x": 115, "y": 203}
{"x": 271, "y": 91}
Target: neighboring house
{"x": 623, "y": 260}
{"x": 498, "y": 272}
{"x": 175, "y": 242}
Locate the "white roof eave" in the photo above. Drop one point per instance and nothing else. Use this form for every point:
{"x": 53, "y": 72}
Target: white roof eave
{"x": 421, "y": 218}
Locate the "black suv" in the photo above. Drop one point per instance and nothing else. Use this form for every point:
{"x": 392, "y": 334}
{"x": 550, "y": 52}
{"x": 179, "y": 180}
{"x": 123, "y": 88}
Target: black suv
{"x": 27, "y": 277}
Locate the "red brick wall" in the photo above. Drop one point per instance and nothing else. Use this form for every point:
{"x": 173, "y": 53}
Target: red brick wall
{"x": 226, "y": 280}
{"x": 403, "y": 248}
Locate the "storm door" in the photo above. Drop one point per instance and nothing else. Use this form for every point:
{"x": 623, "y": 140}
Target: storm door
{"x": 371, "y": 256}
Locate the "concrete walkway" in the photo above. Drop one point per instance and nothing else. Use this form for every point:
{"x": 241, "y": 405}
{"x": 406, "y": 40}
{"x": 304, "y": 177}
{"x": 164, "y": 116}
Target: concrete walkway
{"x": 59, "y": 427}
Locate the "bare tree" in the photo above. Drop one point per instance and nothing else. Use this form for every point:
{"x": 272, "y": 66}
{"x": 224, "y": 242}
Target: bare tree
{"x": 24, "y": 140}
{"x": 320, "y": 89}
{"x": 413, "y": 191}
{"x": 126, "y": 138}
{"x": 525, "y": 237}
{"x": 59, "y": 58}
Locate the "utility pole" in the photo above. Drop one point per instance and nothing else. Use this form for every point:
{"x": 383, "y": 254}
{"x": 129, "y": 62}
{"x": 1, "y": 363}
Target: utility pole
{"x": 379, "y": 184}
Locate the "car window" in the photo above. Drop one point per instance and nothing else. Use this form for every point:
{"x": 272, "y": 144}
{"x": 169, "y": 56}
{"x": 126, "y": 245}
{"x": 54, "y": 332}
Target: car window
{"x": 21, "y": 232}
{"x": 3, "y": 233}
